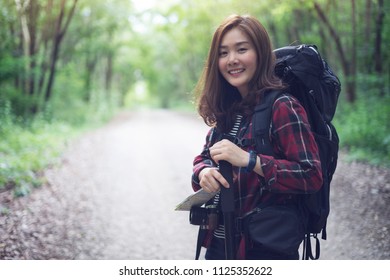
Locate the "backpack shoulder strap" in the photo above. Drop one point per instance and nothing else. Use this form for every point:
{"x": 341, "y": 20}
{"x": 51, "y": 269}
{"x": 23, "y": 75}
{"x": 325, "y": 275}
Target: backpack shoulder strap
{"x": 261, "y": 122}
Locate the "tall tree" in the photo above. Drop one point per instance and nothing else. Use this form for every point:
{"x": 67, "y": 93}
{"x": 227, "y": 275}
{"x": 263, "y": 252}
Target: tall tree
{"x": 367, "y": 34}
{"x": 346, "y": 63}
{"x": 378, "y": 42}
{"x": 26, "y": 10}
{"x": 46, "y": 35}
{"x": 61, "y": 27}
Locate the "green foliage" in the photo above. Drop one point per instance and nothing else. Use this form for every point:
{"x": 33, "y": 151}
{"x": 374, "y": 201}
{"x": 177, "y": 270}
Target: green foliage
{"x": 364, "y": 129}
{"x": 9, "y": 66}
{"x": 26, "y": 148}
{"x": 115, "y": 54}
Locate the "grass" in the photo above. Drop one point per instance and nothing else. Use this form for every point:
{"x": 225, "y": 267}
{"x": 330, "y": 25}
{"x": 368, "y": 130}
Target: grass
{"x": 31, "y": 143}
{"x": 364, "y": 130}
{"x": 26, "y": 149}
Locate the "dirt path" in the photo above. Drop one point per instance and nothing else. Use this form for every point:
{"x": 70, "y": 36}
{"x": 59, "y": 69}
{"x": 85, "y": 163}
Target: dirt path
{"x": 113, "y": 195}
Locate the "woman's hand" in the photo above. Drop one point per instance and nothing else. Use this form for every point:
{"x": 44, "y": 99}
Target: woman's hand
{"x": 210, "y": 180}
{"x": 227, "y": 150}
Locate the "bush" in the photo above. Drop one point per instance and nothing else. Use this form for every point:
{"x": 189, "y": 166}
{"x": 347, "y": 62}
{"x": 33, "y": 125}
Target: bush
{"x": 31, "y": 143}
{"x": 364, "y": 129}
{"x": 26, "y": 149}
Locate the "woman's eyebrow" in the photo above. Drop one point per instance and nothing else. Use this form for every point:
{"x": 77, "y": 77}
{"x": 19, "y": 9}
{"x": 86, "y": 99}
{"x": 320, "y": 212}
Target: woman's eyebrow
{"x": 236, "y": 44}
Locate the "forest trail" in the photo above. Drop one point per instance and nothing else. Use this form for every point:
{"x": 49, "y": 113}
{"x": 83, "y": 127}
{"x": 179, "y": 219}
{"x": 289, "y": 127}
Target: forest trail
{"x": 113, "y": 197}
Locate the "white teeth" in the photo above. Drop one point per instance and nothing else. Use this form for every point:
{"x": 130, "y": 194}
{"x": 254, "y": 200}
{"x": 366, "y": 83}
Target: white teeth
{"x": 236, "y": 71}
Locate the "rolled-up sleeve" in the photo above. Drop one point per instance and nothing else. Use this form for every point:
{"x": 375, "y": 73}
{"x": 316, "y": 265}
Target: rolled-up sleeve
{"x": 202, "y": 161}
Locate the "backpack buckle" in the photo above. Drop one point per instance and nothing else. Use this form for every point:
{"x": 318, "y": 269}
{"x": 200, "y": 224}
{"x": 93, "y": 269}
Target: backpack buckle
{"x": 238, "y": 141}
{"x": 243, "y": 142}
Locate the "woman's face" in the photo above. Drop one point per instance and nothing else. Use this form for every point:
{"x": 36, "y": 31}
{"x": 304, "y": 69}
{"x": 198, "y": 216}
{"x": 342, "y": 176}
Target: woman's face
{"x": 237, "y": 60}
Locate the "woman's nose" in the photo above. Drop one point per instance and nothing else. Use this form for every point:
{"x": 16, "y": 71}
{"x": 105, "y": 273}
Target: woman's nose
{"x": 232, "y": 59}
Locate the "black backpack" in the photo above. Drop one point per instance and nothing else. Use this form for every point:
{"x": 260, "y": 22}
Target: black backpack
{"x": 317, "y": 88}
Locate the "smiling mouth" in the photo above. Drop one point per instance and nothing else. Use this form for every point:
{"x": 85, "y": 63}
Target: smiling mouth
{"x": 236, "y": 71}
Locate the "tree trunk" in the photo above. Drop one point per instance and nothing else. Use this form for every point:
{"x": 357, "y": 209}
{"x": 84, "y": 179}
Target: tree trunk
{"x": 354, "y": 46}
{"x": 345, "y": 64}
{"x": 58, "y": 36}
{"x": 32, "y": 25}
{"x": 367, "y": 34}
{"x": 108, "y": 78}
{"x": 378, "y": 43}
{"x": 53, "y": 61}
{"x": 26, "y": 39}
{"x": 45, "y": 38}
{"x": 90, "y": 65}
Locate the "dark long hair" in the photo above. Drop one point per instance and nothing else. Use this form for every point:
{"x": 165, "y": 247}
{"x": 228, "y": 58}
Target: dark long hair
{"x": 218, "y": 101}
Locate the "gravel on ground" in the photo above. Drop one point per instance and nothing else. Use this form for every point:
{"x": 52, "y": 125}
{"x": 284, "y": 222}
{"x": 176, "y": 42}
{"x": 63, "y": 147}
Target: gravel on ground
{"x": 113, "y": 194}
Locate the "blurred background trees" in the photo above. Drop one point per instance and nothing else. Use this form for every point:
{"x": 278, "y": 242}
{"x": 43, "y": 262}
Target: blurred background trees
{"x": 76, "y": 61}
{"x": 118, "y": 52}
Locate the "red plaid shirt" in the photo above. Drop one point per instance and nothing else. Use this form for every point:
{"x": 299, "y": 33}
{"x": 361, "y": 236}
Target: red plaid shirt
{"x": 296, "y": 168}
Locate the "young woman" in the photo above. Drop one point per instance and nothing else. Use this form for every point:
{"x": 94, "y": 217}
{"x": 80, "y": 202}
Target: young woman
{"x": 239, "y": 71}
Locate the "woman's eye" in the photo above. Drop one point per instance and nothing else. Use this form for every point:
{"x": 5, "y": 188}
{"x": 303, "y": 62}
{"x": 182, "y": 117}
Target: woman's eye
{"x": 242, "y": 50}
{"x": 222, "y": 53}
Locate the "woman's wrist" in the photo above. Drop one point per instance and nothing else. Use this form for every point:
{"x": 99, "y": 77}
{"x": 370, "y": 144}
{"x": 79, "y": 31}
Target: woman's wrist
{"x": 252, "y": 160}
